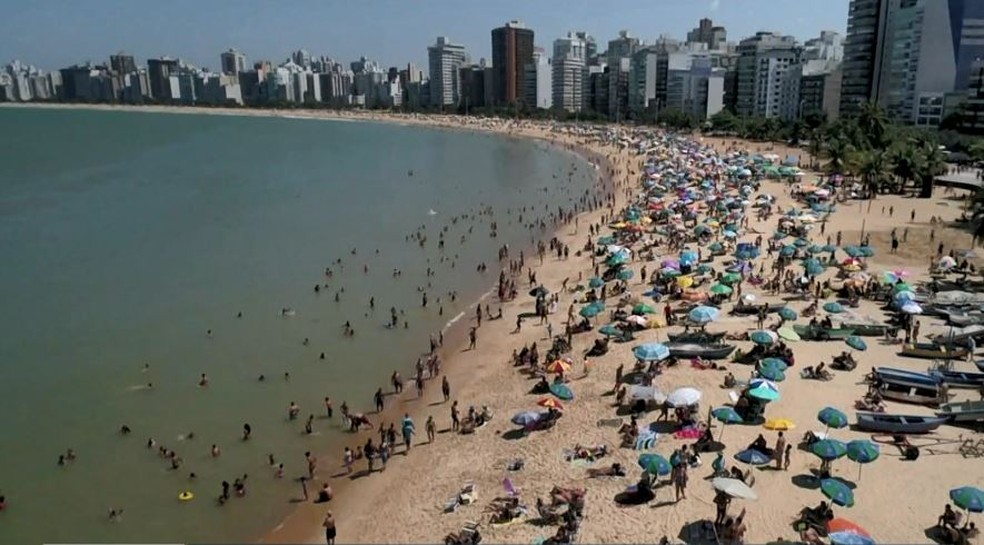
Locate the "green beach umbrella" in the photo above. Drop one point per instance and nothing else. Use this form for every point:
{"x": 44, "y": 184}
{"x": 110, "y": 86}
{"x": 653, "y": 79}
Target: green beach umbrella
{"x": 856, "y": 343}
{"x": 704, "y": 268}
{"x": 787, "y": 313}
{"x": 832, "y": 418}
{"x": 654, "y": 464}
{"x": 730, "y": 278}
{"x": 610, "y": 330}
{"x": 801, "y": 242}
{"x": 617, "y": 259}
{"x": 643, "y": 308}
{"x": 716, "y": 247}
{"x": 901, "y": 286}
{"x": 968, "y": 497}
{"x": 838, "y": 492}
{"x": 863, "y": 452}
{"x": 833, "y": 307}
{"x": 721, "y": 289}
{"x": 590, "y": 311}
{"x": 726, "y": 415}
{"x": 625, "y": 274}
{"x": 788, "y": 333}
{"x": 772, "y": 373}
{"x": 764, "y": 338}
{"x": 596, "y": 282}
{"x": 787, "y": 251}
{"x": 828, "y": 449}
{"x": 774, "y": 362}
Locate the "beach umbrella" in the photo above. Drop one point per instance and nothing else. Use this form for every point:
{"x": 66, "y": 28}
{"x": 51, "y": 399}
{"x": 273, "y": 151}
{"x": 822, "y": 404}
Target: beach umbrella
{"x": 901, "y": 286}
{"x": 778, "y": 363}
{"x": 856, "y": 343}
{"x": 853, "y": 251}
{"x": 779, "y": 424}
{"x": 651, "y": 352}
{"x": 912, "y": 308}
{"x": 787, "y": 313}
{"x": 558, "y": 366}
{"x": 833, "y": 418}
{"x": 669, "y": 272}
{"x": 539, "y": 291}
{"x": 606, "y": 240}
{"x": 813, "y": 268}
{"x": 703, "y": 315}
{"x": 766, "y": 391}
{"x": 779, "y": 235}
{"x": 734, "y": 488}
{"x": 753, "y": 457}
{"x": 596, "y": 282}
{"x": 968, "y": 497}
{"x": 730, "y": 278}
{"x": 726, "y": 415}
{"x": 701, "y": 229}
{"x": 801, "y": 242}
{"x": 833, "y": 307}
{"x": 685, "y": 281}
{"x": 771, "y": 373}
{"x": 610, "y": 330}
{"x": 867, "y": 251}
{"x": 526, "y": 418}
{"x": 590, "y": 311}
{"x": 550, "y": 403}
{"x": 844, "y": 525}
{"x": 617, "y": 259}
{"x": 704, "y": 268}
{"x": 763, "y": 337}
{"x": 947, "y": 262}
{"x": 654, "y": 464}
{"x": 645, "y": 393}
{"x": 838, "y": 492}
{"x": 683, "y": 397}
{"x": 829, "y": 248}
{"x": 562, "y": 391}
{"x": 788, "y": 333}
{"x": 640, "y": 321}
{"x": 787, "y": 251}
{"x": 721, "y": 289}
{"x": 716, "y": 247}
{"x": 643, "y": 308}
{"x": 829, "y": 449}
{"x": 624, "y": 274}
{"x": 688, "y": 257}
{"x": 862, "y": 451}
{"x": 903, "y": 297}
{"x": 849, "y": 537}
{"x": 727, "y": 233}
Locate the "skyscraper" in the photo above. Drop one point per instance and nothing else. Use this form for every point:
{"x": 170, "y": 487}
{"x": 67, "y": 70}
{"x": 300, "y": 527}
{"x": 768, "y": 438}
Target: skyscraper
{"x": 512, "y": 51}
{"x": 445, "y": 60}
{"x": 159, "y": 72}
{"x": 568, "y": 73}
{"x": 620, "y": 51}
{"x": 860, "y": 83}
{"x": 233, "y": 62}
{"x": 763, "y": 61}
{"x": 707, "y": 33}
{"x": 121, "y": 63}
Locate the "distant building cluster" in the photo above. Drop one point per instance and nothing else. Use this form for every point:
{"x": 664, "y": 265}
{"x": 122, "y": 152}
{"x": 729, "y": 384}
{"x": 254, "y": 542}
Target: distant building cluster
{"x": 920, "y": 59}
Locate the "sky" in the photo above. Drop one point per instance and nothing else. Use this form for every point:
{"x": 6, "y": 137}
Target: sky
{"x": 52, "y": 34}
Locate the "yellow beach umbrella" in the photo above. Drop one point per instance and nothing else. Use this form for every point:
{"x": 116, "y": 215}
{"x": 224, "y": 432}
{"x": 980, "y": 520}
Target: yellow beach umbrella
{"x": 685, "y": 281}
{"x": 780, "y": 424}
{"x": 559, "y": 366}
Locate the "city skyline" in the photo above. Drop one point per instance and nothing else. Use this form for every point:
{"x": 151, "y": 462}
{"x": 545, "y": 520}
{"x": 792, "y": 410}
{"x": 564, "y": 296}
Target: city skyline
{"x": 195, "y": 35}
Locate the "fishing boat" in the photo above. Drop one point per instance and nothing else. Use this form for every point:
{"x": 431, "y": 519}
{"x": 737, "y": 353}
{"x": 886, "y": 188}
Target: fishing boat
{"x": 898, "y": 423}
{"x": 891, "y": 373}
{"x": 704, "y": 351}
{"x": 910, "y": 392}
{"x": 958, "y": 379}
{"x": 868, "y": 330}
{"x": 699, "y": 337}
{"x": 964, "y": 411}
{"x": 966, "y": 318}
{"x": 932, "y": 351}
{"x": 816, "y": 333}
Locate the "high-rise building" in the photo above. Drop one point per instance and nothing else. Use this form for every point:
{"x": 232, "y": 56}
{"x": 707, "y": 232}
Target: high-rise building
{"x": 860, "y": 83}
{"x": 568, "y": 73}
{"x": 707, "y": 33}
{"x": 121, "y": 63}
{"x": 301, "y": 58}
{"x": 159, "y": 72}
{"x": 233, "y": 62}
{"x": 472, "y": 79}
{"x": 445, "y": 59}
{"x": 763, "y": 61}
{"x": 512, "y": 51}
{"x": 539, "y": 92}
{"x": 619, "y": 56}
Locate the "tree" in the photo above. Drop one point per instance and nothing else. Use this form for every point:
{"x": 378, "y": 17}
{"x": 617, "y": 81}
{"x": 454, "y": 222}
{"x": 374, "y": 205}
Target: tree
{"x": 873, "y": 124}
{"x": 816, "y": 147}
{"x": 874, "y": 168}
{"x": 930, "y": 164}
{"x": 904, "y": 161}
{"x": 839, "y": 153}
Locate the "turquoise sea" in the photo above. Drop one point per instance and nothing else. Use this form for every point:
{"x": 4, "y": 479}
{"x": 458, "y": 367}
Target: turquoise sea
{"x": 126, "y": 236}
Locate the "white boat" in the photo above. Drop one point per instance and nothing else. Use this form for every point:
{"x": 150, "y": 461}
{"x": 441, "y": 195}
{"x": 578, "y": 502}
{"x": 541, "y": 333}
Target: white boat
{"x": 964, "y": 411}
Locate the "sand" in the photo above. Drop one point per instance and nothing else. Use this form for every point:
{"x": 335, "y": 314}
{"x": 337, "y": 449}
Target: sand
{"x": 897, "y": 501}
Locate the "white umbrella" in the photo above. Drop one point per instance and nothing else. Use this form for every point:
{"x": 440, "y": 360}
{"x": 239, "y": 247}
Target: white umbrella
{"x": 748, "y": 297}
{"x": 645, "y": 393}
{"x": 684, "y": 397}
{"x": 912, "y": 308}
{"x": 734, "y": 488}
{"x": 638, "y": 320}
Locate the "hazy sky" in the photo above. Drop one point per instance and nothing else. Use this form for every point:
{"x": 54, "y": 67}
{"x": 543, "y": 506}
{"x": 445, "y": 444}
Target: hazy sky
{"x": 57, "y": 33}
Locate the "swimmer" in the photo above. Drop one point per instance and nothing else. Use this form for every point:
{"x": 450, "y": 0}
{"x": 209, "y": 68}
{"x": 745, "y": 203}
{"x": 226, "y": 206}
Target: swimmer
{"x": 247, "y": 431}
{"x": 124, "y": 430}
{"x": 61, "y": 459}
{"x": 215, "y": 451}
{"x": 70, "y": 455}
{"x": 208, "y": 333}
{"x": 271, "y": 460}
{"x": 203, "y": 381}
{"x": 261, "y": 378}
{"x": 115, "y": 515}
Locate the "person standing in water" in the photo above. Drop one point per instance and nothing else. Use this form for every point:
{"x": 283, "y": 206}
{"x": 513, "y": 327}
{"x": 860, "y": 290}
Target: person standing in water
{"x": 329, "y": 526}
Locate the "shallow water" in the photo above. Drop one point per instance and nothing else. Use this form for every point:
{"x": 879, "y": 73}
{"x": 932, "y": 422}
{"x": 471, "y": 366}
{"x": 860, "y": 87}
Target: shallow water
{"x": 126, "y": 236}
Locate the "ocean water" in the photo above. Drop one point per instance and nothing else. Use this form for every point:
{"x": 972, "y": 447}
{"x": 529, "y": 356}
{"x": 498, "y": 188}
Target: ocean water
{"x": 126, "y": 236}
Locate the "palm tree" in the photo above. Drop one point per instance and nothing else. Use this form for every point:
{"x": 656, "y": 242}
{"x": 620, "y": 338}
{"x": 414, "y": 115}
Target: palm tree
{"x": 839, "y": 152}
{"x": 903, "y": 158}
{"x": 873, "y": 124}
{"x": 930, "y": 164}
{"x": 817, "y": 143}
{"x": 874, "y": 167}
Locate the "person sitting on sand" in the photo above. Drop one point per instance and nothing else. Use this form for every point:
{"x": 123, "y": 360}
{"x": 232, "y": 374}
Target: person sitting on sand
{"x": 949, "y": 518}
{"x": 729, "y": 380}
{"x": 760, "y": 445}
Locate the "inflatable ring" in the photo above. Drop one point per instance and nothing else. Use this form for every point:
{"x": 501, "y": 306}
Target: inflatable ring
{"x": 186, "y": 496}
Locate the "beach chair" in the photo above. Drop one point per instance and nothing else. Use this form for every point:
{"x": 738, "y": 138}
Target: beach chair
{"x": 468, "y": 494}
{"x": 646, "y": 440}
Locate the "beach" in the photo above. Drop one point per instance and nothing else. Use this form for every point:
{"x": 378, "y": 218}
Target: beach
{"x": 896, "y": 500}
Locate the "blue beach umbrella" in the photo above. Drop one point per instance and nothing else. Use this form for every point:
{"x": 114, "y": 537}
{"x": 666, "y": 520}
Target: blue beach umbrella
{"x": 863, "y": 452}
{"x": 777, "y": 363}
{"x": 726, "y": 415}
{"x": 968, "y": 497}
{"x": 617, "y": 259}
{"x": 753, "y": 457}
{"x": 764, "y": 338}
{"x": 787, "y": 313}
{"x": 838, "y": 492}
{"x": 832, "y": 418}
{"x": 705, "y": 268}
{"x": 766, "y": 391}
{"x": 787, "y": 251}
{"x": 654, "y": 464}
{"x": 625, "y": 274}
{"x": 688, "y": 257}
{"x": 856, "y": 343}
{"x": 596, "y": 282}
{"x": 590, "y": 311}
{"x": 610, "y": 330}
{"x": 526, "y": 418}
{"x": 833, "y": 307}
{"x": 703, "y": 315}
{"x": 829, "y": 449}
{"x": 561, "y": 391}
{"x": 716, "y": 247}
{"x": 771, "y": 373}
{"x": 849, "y": 537}
{"x": 651, "y": 352}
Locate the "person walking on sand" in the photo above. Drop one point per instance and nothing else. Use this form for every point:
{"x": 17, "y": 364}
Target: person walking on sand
{"x": 455, "y": 420}
{"x": 780, "y": 451}
{"x": 787, "y": 457}
{"x": 378, "y": 399}
{"x": 472, "y": 338}
{"x": 312, "y": 464}
{"x": 679, "y": 477}
{"x": 408, "y": 431}
{"x": 431, "y": 428}
{"x": 347, "y": 460}
{"x": 446, "y": 388}
{"x": 329, "y": 526}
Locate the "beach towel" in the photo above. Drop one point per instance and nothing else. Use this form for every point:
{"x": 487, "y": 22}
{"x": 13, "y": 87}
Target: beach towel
{"x": 646, "y": 440}
{"x": 609, "y": 423}
{"x": 689, "y": 432}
